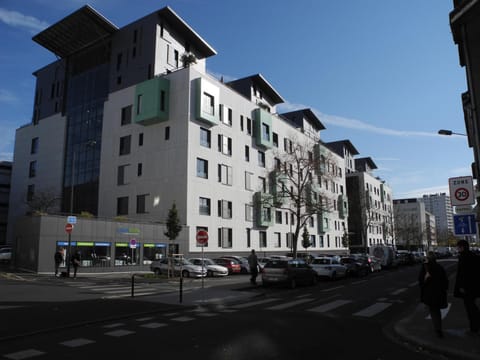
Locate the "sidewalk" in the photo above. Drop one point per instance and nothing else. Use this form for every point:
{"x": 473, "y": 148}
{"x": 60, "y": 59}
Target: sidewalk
{"x": 457, "y": 342}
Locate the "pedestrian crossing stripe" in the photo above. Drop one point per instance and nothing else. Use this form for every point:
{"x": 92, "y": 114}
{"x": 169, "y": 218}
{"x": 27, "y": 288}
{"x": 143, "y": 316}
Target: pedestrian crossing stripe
{"x": 373, "y": 310}
{"x": 330, "y": 306}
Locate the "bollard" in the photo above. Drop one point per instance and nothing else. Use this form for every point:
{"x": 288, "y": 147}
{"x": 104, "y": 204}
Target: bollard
{"x": 181, "y": 288}
{"x": 133, "y": 285}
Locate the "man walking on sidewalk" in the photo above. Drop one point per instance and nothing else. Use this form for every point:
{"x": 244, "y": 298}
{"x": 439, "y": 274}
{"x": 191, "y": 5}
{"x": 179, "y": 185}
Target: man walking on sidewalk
{"x": 467, "y": 284}
{"x": 253, "y": 264}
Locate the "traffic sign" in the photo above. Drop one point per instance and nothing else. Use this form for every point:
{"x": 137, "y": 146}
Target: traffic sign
{"x": 465, "y": 224}
{"x": 72, "y": 219}
{"x": 461, "y": 191}
{"x": 464, "y": 210}
{"x": 68, "y": 228}
{"x": 133, "y": 243}
{"x": 202, "y": 237}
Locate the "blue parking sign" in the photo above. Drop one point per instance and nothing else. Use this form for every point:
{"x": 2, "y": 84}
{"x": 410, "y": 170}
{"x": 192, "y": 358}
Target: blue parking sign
{"x": 465, "y": 224}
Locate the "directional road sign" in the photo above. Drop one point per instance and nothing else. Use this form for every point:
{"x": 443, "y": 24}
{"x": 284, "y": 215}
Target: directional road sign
{"x": 465, "y": 224}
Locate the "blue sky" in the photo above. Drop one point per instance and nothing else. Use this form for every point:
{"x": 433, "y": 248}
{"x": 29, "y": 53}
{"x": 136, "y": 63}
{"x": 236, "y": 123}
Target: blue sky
{"x": 382, "y": 73}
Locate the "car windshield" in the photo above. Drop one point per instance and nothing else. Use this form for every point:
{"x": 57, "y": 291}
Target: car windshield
{"x": 276, "y": 264}
{"x": 321, "y": 261}
{"x": 208, "y": 262}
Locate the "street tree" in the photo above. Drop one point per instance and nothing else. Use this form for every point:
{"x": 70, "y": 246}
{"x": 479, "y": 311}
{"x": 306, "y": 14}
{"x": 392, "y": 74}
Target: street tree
{"x": 43, "y": 202}
{"x": 295, "y": 184}
{"x": 173, "y": 230}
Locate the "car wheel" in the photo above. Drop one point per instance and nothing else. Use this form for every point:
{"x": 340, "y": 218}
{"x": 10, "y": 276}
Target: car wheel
{"x": 210, "y": 273}
{"x": 157, "y": 271}
{"x": 334, "y": 276}
{"x": 185, "y": 273}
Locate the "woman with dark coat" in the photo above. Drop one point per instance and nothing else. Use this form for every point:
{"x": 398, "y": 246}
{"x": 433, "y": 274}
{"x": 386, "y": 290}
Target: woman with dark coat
{"x": 433, "y": 289}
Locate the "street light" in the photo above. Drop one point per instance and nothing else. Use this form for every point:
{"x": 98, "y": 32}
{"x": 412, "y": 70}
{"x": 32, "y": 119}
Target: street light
{"x": 89, "y": 143}
{"x": 449, "y": 132}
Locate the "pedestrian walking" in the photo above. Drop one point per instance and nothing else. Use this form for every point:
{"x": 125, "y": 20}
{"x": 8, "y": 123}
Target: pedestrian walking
{"x": 58, "y": 258}
{"x": 467, "y": 283}
{"x": 433, "y": 282}
{"x": 253, "y": 264}
{"x": 76, "y": 263}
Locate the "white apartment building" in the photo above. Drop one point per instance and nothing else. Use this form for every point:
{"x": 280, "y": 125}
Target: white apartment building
{"x": 122, "y": 129}
{"x": 414, "y": 225}
{"x": 439, "y": 205}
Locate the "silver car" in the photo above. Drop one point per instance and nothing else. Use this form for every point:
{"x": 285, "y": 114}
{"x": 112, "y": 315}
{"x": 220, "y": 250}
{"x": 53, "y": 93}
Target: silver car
{"x": 213, "y": 269}
{"x": 181, "y": 267}
{"x": 328, "y": 267}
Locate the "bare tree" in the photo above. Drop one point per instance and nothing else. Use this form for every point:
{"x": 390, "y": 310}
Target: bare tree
{"x": 43, "y": 202}
{"x": 295, "y": 184}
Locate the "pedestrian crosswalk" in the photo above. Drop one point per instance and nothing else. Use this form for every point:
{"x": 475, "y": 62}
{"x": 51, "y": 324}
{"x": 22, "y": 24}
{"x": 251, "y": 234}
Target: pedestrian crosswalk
{"x": 121, "y": 290}
{"x": 311, "y": 304}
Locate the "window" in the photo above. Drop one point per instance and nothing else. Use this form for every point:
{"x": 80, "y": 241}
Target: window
{"x": 263, "y": 239}
{"x": 263, "y": 184}
{"x": 224, "y": 209}
{"x": 261, "y": 158}
{"x": 247, "y": 153}
{"x": 162, "y": 100}
{"x": 249, "y": 126}
{"x": 278, "y": 163}
{"x": 249, "y": 238}
{"x": 311, "y": 221}
{"x": 122, "y": 205}
{"x": 225, "y": 238}
{"x": 248, "y": 212}
{"x": 266, "y": 214}
{"x": 119, "y": 61}
{"x": 278, "y": 217}
{"x": 126, "y": 115}
{"x": 125, "y": 145}
{"x": 230, "y": 117}
{"x": 275, "y": 139}
{"x": 278, "y": 240}
{"x": 225, "y": 174}
{"x": 265, "y": 132}
{"x": 140, "y": 139}
{"x": 32, "y": 170}
{"x": 205, "y": 137}
{"x": 167, "y": 132}
{"x": 139, "y": 104}
{"x": 225, "y": 145}
{"x": 208, "y": 104}
{"x": 141, "y": 201}
{"x": 204, "y": 206}
{"x": 34, "y": 146}
{"x": 30, "y": 192}
{"x": 175, "y": 57}
{"x": 241, "y": 122}
{"x": 121, "y": 175}
{"x": 289, "y": 240}
{"x": 202, "y": 168}
{"x": 313, "y": 241}
{"x": 139, "y": 169}
{"x": 248, "y": 180}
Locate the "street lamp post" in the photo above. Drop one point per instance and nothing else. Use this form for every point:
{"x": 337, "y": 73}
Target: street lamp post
{"x": 449, "y": 132}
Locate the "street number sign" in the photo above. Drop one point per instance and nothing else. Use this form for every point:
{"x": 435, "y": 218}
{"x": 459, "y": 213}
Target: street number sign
{"x": 461, "y": 191}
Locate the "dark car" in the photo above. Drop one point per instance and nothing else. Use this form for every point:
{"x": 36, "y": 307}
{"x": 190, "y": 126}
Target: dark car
{"x": 355, "y": 266}
{"x": 244, "y": 267}
{"x": 291, "y": 272}
{"x": 232, "y": 265}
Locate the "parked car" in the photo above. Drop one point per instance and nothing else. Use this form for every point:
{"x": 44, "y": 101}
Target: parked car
{"x": 232, "y": 265}
{"x": 405, "y": 257}
{"x": 328, "y": 267}
{"x": 262, "y": 261}
{"x": 290, "y": 272}
{"x": 180, "y": 266}
{"x": 355, "y": 266}
{"x": 213, "y": 269}
{"x": 5, "y": 254}
{"x": 375, "y": 263}
{"x": 243, "y": 261}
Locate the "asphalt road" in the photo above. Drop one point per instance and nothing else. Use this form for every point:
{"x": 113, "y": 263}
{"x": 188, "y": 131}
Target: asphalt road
{"x": 348, "y": 318}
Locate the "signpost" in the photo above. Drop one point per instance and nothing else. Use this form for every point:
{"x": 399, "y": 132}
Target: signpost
{"x": 202, "y": 239}
{"x": 461, "y": 191}
{"x": 68, "y": 230}
{"x": 465, "y": 224}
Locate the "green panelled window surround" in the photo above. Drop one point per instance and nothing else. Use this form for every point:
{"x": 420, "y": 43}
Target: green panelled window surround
{"x": 152, "y": 101}
{"x": 262, "y": 128}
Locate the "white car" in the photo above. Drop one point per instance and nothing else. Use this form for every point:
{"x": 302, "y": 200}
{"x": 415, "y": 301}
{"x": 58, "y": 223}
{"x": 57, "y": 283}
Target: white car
{"x": 328, "y": 267}
{"x": 5, "y": 254}
{"x": 213, "y": 269}
{"x": 180, "y": 266}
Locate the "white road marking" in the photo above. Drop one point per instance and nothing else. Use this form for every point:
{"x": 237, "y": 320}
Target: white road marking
{"x": 253, "y": 303}
{"x": 329, "y": 306}
{"x": 334, "y": 288}
{"x": 443, "y": 312}
{"x": 413, "y": 284}
{"x": 358, "y": 282}
{"x": 289, "y": 304}
{"x": 77, "y": 342}
{"x": 25, "y": 354}
{"x": 153, "y": 325}
{"x": 118, "y": 333}
{"x": 373, "y": 310}
{"x": 399, "y": 291}
{"x": 183, "y": 318}
{"x": 145, "y": 318}
{"x": 111, "y": 326}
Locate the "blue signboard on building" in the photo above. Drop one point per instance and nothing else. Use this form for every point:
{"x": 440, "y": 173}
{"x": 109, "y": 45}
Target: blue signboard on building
{"x": 465, "y": 224}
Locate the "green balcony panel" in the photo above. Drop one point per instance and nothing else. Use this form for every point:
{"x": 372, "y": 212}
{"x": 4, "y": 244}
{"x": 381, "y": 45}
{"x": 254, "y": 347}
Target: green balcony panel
{"x": 276, "y": 178}
{"x": 322, "y": 223}
{"x": 319, "y": 156}
{"x": 342, "y": 205}
{"x": 152, "y": 101}
{"x": 262, "y": 210}
{"x": 206, "y": 102}
{"x": 262, "y": 128}
{"x": 382, "y": 193}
